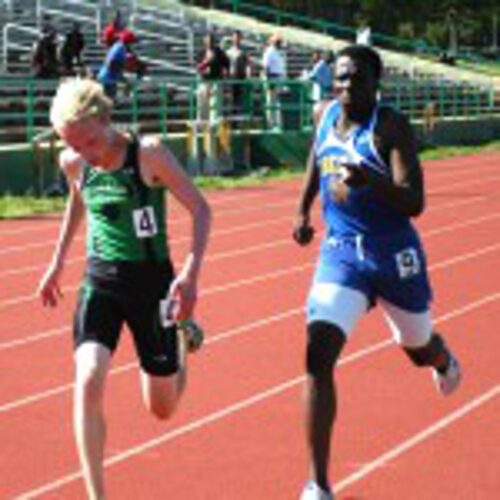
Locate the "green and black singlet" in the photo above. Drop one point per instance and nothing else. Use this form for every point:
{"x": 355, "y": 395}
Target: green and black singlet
{"x": 125, "y": 217}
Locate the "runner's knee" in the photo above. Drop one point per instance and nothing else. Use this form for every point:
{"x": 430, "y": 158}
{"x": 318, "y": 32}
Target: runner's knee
{"x": 324, "y": 344}
{"x": 89, "y": 387}
{"x": 161, "y": 394}
{"x": 92, "y": 361}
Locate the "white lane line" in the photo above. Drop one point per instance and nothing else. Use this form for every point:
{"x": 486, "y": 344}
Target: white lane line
{"x": 224, "y": 232}
{"x": 71, "y": 288}
{"x": 229, "y": 410}
{"x": 424, "y": 234}
{"x": 231, "y": 230}
{"x": 176, "y": 241}
{"x": 418, "y": 438}
{"x": 47, "y": 334}
{"x": 208, "y": 291}
{"x": 242, "y": 210}
{"x": 216, "y": 289}
{"x": 239, "y": 197}
{"x": 170, "y": 223}
{"x": 61, "y": 389}
{"x": 233, "y": 332}
{"x": 461, "y": 225}
{"x": 446, "y": 190}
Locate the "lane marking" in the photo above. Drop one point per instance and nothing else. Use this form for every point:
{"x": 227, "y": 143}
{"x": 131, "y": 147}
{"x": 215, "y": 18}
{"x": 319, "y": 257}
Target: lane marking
{"x": 418, "y": 438}
{"x": 228, "y": 411}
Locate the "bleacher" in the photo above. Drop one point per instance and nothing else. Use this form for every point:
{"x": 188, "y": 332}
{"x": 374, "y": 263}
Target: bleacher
{"x": 169, "y": 38}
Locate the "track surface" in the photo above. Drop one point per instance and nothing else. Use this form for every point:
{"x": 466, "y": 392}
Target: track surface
{"x": 238, "y": 433}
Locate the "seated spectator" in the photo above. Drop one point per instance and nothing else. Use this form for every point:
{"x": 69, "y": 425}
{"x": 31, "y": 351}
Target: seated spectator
{"x": 44, "y": 58}
{"x": 71, "y": 50}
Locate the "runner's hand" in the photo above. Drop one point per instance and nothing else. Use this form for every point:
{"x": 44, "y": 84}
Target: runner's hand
{"x": 183, "y": 291}
{"x": 353, "y": 175}
{"x": 48, "y": 288}
{"x": 303, "y": 233}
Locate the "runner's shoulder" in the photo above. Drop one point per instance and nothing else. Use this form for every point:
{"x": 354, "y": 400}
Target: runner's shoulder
{"x": 71, "y": 163}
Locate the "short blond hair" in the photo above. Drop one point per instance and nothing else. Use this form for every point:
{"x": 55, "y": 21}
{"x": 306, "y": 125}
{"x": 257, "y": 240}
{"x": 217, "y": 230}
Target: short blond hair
{"x": 77, "y": 99}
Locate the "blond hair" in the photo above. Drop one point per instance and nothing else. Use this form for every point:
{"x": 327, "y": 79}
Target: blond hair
{"x": 77, "y": 99}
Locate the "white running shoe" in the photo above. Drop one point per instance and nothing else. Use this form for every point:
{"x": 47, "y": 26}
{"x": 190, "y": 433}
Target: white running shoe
{"x": 449, "y": 381}
{"x": 312, "y": 491}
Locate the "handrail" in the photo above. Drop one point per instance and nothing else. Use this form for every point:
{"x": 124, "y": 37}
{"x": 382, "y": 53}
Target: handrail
{"x": 95, "y": 17}
{"x": 416, "y": 98}
{"x": 5, "y": 34}
{"x": 180, "y": 13}
{"x": 169, "y": 65}
{"x": 190, "y": 35}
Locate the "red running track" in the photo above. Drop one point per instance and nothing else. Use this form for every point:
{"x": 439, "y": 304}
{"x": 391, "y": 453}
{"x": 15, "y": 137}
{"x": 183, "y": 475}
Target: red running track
{"x": 238, "y": 433}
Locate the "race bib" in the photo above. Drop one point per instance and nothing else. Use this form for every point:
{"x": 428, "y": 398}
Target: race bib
{"x": 408, "y": 263}
{"x": 145, "y": 222}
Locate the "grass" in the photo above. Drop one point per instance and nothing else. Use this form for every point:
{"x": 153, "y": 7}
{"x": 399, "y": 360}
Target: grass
{"x": 23, "y": 206}
{"x": 437, "y": 153}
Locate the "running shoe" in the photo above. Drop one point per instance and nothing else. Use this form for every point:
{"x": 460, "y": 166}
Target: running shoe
{"x": 312, "y": 491}
{"x": 448, "y": 382}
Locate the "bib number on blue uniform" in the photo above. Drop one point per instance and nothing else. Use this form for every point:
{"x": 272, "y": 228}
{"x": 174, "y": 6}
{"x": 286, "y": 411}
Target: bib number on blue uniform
{"x": 408, "y": 263}
{"x": 145, "y": 222}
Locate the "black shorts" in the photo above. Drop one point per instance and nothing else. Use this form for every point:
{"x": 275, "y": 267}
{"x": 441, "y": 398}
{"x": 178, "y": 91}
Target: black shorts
{"x": 127, "y": 292}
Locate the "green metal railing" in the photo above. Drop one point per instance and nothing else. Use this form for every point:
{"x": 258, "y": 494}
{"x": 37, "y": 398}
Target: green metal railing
{"x": 164, "y": 108}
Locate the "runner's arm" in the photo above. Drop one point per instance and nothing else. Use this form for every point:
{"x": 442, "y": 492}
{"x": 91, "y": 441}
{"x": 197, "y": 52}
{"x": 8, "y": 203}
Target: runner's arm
{"x": 405, "y": 190}
{"x": 303, "y": 231}
{"x": 48, "y": 287}
{"x": 160, "y": 167}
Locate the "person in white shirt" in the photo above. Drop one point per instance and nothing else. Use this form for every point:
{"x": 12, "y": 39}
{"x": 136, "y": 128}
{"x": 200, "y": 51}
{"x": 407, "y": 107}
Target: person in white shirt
{"x": 274, "y": 68}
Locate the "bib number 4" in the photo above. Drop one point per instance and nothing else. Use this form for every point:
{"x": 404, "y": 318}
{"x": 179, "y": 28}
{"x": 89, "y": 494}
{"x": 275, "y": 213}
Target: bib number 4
{"x": 145, "y": 222}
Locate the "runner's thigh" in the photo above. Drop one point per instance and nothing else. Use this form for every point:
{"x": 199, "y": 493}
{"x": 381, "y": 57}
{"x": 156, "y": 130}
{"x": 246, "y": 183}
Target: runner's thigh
{"x": 336, "y": 304}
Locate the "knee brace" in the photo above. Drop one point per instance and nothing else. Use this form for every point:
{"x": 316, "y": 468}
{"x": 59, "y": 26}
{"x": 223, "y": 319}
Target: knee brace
{"x": 428, "y": 354}
{"x": 324, "y": 344}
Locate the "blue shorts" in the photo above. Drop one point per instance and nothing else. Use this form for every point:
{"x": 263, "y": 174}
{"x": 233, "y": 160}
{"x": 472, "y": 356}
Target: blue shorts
{"x": 393, "y": 268}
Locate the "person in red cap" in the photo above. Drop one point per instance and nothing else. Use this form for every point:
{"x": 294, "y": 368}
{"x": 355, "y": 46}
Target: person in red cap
{"x": 120, "y": 58}
{"x": 112, "y": 31}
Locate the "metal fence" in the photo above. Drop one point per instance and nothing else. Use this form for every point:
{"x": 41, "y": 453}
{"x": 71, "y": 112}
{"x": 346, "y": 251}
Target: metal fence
{"x": 166, "y": 107}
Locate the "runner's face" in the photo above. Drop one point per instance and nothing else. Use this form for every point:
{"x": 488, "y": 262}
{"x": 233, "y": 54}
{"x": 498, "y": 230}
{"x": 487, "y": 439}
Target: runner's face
{"x": 88, "y": 137}
{"x": 354, "y": 84}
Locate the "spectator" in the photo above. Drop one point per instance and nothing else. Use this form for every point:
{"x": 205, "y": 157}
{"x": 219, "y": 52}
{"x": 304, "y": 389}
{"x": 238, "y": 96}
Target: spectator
{"x": 113, "y": 68}
{"x": 274, "y": 68}
{"x": 47, "y": 27}
{"x": 213, "y": 66}
{"x": 111, "y": 32}
{"x": 364, "y": 36}
{"x": 71, "y": 50}
{"x": 239, "y": 69}
{"x": 321, "y": 75}
{"x": 44, "y": 59}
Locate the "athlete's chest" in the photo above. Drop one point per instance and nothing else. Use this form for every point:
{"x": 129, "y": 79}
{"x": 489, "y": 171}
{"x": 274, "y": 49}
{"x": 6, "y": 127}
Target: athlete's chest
{"x": 109, "y": 188}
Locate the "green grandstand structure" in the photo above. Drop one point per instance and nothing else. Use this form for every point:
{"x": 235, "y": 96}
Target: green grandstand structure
{"x": 446, "y": 104}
